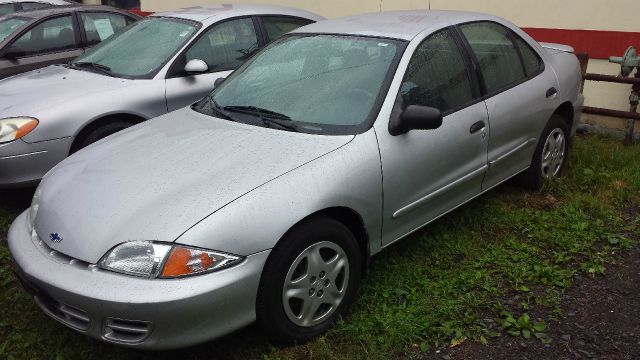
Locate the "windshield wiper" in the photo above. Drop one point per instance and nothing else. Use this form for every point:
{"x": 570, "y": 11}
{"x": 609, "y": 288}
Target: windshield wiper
{"x": 211, "y": 107}
{"x": 268, "y": 117}
{"x": 102, "y": 68}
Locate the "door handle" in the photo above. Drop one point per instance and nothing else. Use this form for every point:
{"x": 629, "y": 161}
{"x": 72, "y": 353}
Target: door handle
{"x": 551, "y": 92}
{"x": 477, "y": 126}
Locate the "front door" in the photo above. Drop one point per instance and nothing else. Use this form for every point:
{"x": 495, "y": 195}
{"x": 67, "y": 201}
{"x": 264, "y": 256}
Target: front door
{"x": 224, "y": 47}
{"x": 428, "y": 172}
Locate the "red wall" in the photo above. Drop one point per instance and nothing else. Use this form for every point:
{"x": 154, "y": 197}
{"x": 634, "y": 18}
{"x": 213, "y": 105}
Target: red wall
{"x": 599, "y": 44}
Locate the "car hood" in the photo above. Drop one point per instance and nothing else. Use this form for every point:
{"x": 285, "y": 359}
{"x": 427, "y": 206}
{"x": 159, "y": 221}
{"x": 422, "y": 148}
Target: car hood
{"x": 35, "y": 92}
{"x": 156, "y": 180}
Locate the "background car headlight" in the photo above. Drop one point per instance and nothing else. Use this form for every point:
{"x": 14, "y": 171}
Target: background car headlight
{"x": 33, "y": 209}
{"x": 14, "y": 128}
{"x": 153, "y": 259}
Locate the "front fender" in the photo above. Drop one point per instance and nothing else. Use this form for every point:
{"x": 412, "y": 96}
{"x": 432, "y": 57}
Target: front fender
{"x": 145, "y": 98}
{"x": 349, "y": 177}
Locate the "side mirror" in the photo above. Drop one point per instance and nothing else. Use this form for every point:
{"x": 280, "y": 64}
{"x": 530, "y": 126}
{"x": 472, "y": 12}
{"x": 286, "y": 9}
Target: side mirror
{"x": 416, "y": 117}
{"x": 218, "y": 81}
{"x": 12, "y": 52}
{"x": 196, "y": 66}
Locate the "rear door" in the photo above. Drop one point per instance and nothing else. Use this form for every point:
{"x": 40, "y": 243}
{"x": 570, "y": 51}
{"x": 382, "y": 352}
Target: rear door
{"x": 429, "y": 172}
{"x": 53, "y": 40}
{"x": 224, "y": 46}
{"x": 519, "y": 94}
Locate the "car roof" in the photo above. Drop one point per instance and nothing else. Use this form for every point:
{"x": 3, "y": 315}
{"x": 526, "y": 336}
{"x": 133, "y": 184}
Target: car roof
{"x": 404, "y": 25}
{"x": 40, "y": 13}
{"x": 52, "y": 2}
{"x": 211, "y": 13}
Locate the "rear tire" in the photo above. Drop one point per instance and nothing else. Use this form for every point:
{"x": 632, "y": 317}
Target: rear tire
{"x": 311, "y": 277}
{"x": 100, "y": 132}
{"x": 550, "y": 156}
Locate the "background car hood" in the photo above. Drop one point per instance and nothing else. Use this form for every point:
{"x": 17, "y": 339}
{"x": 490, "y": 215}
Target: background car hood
{"x": 156, "y": 180}
{"x": 34, "y": 93}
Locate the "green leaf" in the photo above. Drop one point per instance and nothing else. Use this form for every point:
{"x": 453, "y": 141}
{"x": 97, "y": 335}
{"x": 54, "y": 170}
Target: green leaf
{"x": 424, "y": 347}
{"x": 613, "y": 240}
{"x": 513, "y": 332}
{"x": 539, "y": 326}
{"x": 523, "y": 321}
{"x": 483, "y": 340}
{"x": 587, "y": 171}
{"x": 543, "y": 337}
{"x": 526, "y": 333}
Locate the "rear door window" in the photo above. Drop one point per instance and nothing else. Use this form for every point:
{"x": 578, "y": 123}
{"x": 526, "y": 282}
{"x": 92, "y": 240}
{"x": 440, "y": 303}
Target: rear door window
{"x": 102, "y": 25}
{"x": 6, "y": 9}
{"x": 497, "y": 55}
{"x": 26, "y": 6}
{"x": 530, "y": 59}
{"x": 277, "y": 26}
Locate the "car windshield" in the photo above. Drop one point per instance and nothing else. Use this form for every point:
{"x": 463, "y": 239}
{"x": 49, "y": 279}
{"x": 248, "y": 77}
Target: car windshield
{"x": 9, "y": 25}
{"x": 142, "y": 48}
{"x": 326, "y": 84}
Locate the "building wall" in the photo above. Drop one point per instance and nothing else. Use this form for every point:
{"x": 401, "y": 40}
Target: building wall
{"x": 616, "y": 15}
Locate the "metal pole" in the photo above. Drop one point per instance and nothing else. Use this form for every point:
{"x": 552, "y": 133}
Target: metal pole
{"x": 633, "y": 102}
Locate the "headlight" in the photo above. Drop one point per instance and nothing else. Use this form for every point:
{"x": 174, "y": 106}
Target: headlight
{"x": 15, "y": 128}
{"x": 161, "y": 260}
{"x": 33, "y": 210}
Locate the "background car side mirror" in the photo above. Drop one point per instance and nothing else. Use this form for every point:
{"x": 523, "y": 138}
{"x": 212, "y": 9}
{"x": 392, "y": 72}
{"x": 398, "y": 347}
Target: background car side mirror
{"x": 416, "y": 117}
{"x": 218, "y": 81}
{"x": 12, "y": 52}
{"x": 196, "y": 66}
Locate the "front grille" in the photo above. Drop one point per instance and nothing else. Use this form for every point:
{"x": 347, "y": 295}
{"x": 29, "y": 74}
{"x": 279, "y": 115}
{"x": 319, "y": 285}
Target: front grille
{"x": 66, "y": 314}
{"x": 126, "y": 331}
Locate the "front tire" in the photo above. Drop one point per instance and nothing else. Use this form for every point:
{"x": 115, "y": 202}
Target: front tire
{"x": 549, "y": 158}
{"x": 311, "y": 277}
{"x": 100, "y": 132}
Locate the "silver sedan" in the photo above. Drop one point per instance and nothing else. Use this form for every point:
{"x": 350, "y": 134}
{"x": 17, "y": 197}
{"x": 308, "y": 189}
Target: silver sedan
{"x": 265, "y": 200}
{"x": 158, "y": 65}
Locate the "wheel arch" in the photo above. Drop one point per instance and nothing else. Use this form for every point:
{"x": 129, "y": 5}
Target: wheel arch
{"x": 566, "y": 111}
{"x": 352, "y": 220}
{"x": 97, "y": 122}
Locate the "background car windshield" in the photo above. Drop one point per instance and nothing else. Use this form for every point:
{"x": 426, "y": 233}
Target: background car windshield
{"x": 9, "y": 25}
{"x": 326, "y": 80}
{"x": 142, "y": 48}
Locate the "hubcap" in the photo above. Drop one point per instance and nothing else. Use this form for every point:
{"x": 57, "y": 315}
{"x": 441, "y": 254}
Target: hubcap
{"x": 553, "y": 154}
{"x": 315, "y": 284}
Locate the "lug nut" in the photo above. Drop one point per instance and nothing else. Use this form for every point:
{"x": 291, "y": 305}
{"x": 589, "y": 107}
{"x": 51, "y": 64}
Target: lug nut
{"x": 326, "y": 283}
{"x": 319, "y": 293}
{"x": 312, "y": 291}
{"x": 313, "y": 279}
{"x": 321, "y": 274}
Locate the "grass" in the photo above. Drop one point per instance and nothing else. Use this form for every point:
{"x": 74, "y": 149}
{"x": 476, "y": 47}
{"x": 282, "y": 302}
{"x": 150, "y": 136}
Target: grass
{"x": 495, "y": 267}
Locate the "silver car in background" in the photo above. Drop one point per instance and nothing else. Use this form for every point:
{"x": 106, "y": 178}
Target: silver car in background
{"x": 265, "y": 200}
{"x": 11, "y": 6}
{"x": 160, "y": 64}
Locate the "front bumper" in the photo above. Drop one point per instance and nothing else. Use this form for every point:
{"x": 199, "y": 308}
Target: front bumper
{"x": 24, "y": 164}
{"x": 131, "y": 311}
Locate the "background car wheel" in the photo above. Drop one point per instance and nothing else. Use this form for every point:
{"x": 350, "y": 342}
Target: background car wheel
{"x": 311, "y": 277}
{"x": 100, "y": 132}
{"x": 550, "y": 155}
